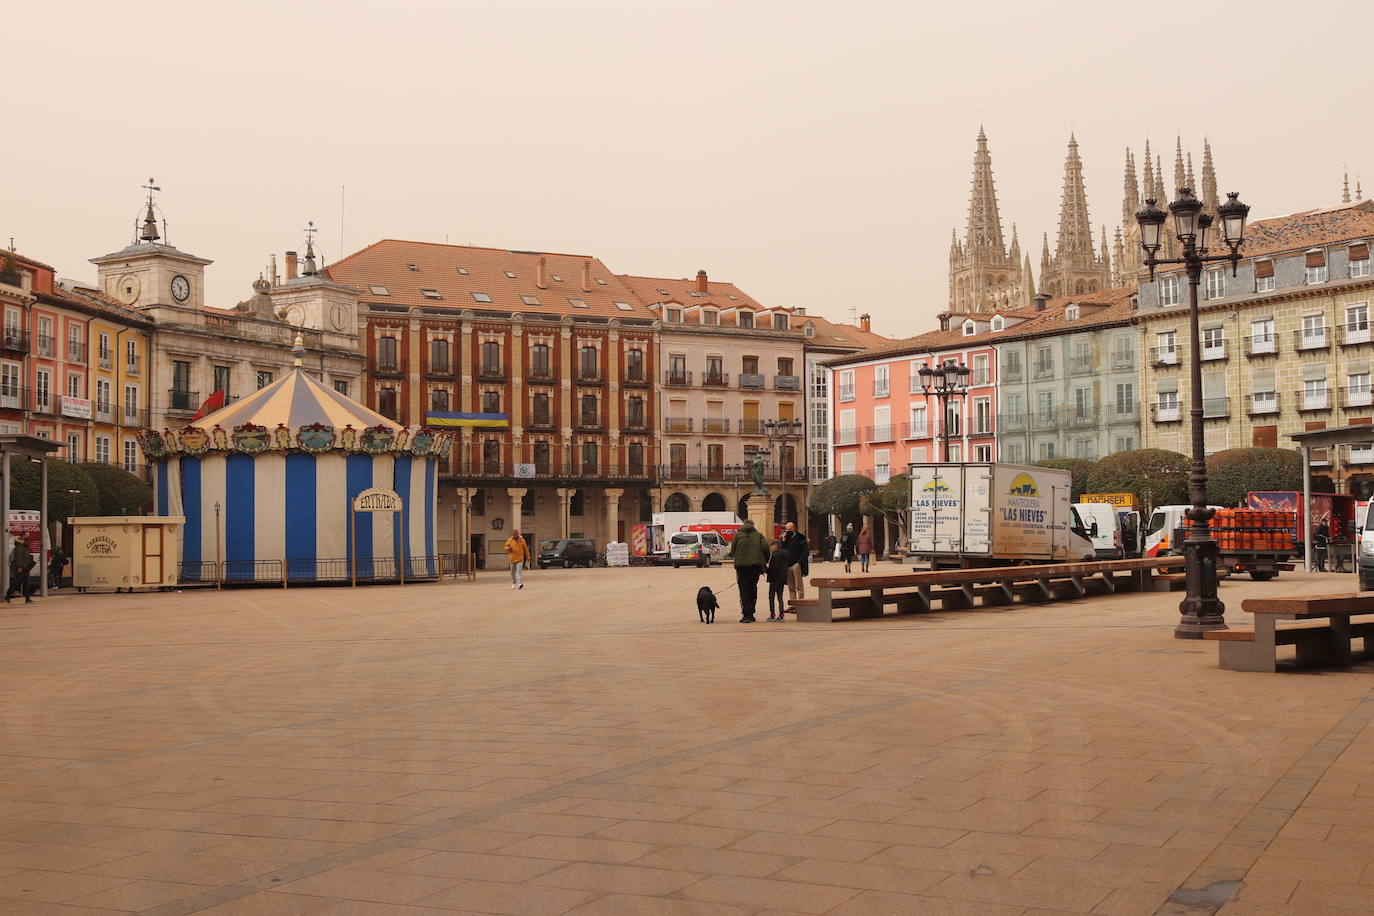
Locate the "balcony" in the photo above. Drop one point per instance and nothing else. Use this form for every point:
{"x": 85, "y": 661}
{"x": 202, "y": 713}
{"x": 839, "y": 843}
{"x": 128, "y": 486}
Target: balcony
{"x": 880, "y": 433}
{"x": 751, "y": 426}
{"x": 133, "y": 365}
{"x": 635, "y": 380}
{"x": 738, "y": 474}
{"x": 1216, "y": 408}
{"x": 1359, "y": 454}
{"x": 718, "y": 380}
{"x": 12, "y": 397}
{"x": 787, "y": 382}
{"x": 1314, "y": 400}
{"x": 752, "y": 380}
{"x": 1010, "y": 373}
{"x": 76, "y": 351}
{"x": 635, "y": 425}
{"x": 590, "y": 377}
{"x": 915, "y": 431}
{"x": 491, "y": 372}
{"x": 1356, "y": 396}
{"x": 1165, "y": 356}
{"x": 45, "y": 345}
{"x": 715, "y": 426}
{"x": 1081, "y": 365}
{"x": 1043, "y": 419}
{"x": 1213, "y": 350}
{"x": 846, "y": 392}
{"x": 540, "y": 376}
{"x": 440, "y": 370}
{"x": 1043, "y": 370}
{"x": 677, "y": 424}
{"x": 1261, "y": 344}
{"x": 15, "y": 341}
{"x": 540, "y": 422}
{"x": 982, "y": 426}
{"x": 105, "y": 361}
{"x": 1320, "y": 457}
{"x": 1311, "y": 339}
{"x": 104, "y": 412}
{"x": 1122, "y": 361}
{"x": 181, "y": 400}
{"x": 880, "y": 389}
{"x": 590, "y": 425}
{"x": 44, "y": 403}
{"x": 1166, "y": 413}
{"x": 1079, "y": 417}
{"x": 1124, "y": 413}
{"x": 1353, "y": 333}
{"x": 1011, "y": 422}
{"x": 384, "y": 368}
{"x": 1261, "y": 403}
{"x": 847, "y": 436}
{"x": 681, "y": 379}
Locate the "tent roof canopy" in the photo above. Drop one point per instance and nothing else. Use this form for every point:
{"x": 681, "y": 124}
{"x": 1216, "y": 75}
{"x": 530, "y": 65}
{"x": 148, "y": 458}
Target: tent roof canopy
{"x": 295, "y": 400}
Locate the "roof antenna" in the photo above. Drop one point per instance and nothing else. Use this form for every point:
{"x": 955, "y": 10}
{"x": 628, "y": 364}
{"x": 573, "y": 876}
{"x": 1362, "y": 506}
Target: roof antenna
{"x": 853, "y": 315}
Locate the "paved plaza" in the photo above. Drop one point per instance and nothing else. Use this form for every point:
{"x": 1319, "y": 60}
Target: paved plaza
{"x": 585, "y": 746}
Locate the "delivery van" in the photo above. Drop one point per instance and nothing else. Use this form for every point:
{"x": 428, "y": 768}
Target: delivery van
{"x": 1159, "y": 535}
{"x": 1105, "y": 529}
{"x": 696, "y": 548}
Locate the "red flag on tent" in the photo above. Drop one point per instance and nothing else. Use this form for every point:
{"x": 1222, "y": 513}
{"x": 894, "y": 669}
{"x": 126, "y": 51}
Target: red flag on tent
{"x": 211, "y": 404}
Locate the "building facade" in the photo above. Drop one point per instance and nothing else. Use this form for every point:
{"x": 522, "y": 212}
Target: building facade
{"x": 1286, "y": 343}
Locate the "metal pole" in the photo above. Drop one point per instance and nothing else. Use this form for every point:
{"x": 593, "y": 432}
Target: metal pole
{"x": 45, "y": 540}
{"x": 5, "y": 522}
{"x": 219, "y": 562}
{"x": 353, "y": 549}
{"x": 1201, "y": 610}
{"x": 1302, "y": 518}
{"x": 400, "y": 560}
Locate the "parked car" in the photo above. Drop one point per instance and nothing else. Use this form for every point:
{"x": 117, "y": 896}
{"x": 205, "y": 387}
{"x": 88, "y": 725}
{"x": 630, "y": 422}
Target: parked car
{"x": 567, "y": 552}
{"x": 697, "y": 548}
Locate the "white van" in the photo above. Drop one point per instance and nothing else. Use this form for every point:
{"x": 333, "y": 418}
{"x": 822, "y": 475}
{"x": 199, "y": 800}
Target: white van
{"x": 697, "y": 548}
{"x": 1107, "y": 528}
{"x": 1163, "y": 521}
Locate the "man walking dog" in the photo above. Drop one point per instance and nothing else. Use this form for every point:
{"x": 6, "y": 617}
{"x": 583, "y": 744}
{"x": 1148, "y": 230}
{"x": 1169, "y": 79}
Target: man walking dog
{"x": 750, "y": 553}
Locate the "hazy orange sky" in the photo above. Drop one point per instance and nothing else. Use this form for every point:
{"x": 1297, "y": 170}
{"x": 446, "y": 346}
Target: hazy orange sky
{"x": 816, "y": 154}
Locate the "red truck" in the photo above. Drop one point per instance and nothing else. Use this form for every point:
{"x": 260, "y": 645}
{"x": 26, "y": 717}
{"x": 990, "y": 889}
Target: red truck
{"x": 1336, "y": 509}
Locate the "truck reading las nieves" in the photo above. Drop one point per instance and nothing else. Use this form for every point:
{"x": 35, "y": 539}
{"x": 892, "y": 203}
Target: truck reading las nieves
{"x": 984, "y": 514}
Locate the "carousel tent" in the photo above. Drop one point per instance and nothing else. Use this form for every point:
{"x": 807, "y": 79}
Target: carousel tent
{"x": 267, "y": 485}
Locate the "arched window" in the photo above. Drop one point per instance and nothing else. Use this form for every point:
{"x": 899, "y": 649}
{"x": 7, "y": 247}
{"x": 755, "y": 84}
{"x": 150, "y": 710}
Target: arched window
{"x": 540, "y": 364}
{"x": 590, "y": 459}
{"x": 713, "y": 502}
{"x": 969, "y": 328}
{"x": 634, "y": 365}
{"x": 678, "y": 502}
{"x": 491, "y": 358}
{"x": 997, "y": 323}
{"x": 438, "y": 356}
{"x": 438, "y": 399}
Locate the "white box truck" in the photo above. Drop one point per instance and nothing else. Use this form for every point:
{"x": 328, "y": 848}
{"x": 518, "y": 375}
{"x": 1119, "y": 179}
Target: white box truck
{"x": 986, "y": 514}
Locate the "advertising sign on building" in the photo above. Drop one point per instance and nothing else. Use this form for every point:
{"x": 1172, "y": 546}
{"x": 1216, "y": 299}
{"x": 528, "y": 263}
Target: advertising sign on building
{"x": 80, "y": 408}
{"x": 24, "y": 524}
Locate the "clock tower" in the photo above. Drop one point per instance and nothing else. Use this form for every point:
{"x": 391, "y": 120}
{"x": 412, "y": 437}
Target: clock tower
{"x": 151, "y": 272}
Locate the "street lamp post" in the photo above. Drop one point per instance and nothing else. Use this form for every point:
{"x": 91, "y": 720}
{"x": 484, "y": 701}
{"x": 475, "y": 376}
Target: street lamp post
{"x": 781, "y": 432}
{"x": 946, "y": 381}
{"x": 1201, "y": 610}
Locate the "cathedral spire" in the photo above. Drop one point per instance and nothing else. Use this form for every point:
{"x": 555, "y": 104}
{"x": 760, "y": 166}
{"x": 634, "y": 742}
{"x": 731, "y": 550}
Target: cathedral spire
{"x": 1130, "y": 198}
{"x": 984, "y": 221}
{"x": 1209, "y": 178}
{"x": 1045, "y": 258}
{"x": 1147, "y": 185}
{"x": 1180, "y": 176}
{"x": 1015, "y": 252}
{"x": 1160, "y": 194}
{"x": 1192, "y": 183}
{"x": 1075, "y": 232}
{"x": 1345, "y": 190}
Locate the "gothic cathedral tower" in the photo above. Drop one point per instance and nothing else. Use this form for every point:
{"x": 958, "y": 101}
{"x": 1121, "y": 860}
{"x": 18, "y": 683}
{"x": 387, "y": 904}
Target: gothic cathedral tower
{"x": 1075, "y": 268}
{"x": 984, "y": 274}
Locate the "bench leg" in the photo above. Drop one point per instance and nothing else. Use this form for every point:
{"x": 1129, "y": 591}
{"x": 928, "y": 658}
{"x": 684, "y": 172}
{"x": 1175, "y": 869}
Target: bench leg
{"x": 1246, "y": 656}
{"x": 918, "y": 603}
{"x": 820, "y": 612}
{"x": 873, "y": 607}
{"x": 970, "y": 597}
{"x": 1078, "y": 586}
{"x": 1045, "y": 589}
{"x": 1008, "y": 592}
{"x": 1109, "y": 581}
{"x": 1340, "y": 641}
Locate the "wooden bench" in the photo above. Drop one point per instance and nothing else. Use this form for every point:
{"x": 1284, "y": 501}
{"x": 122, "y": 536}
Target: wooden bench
{"x": 1317, "y": 643}
{"x": 914, "y": 592}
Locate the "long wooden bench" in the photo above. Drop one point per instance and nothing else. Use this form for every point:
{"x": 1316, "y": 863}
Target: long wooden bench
{"x": 915, "y": 592}
{"x": 1316, "y": 643}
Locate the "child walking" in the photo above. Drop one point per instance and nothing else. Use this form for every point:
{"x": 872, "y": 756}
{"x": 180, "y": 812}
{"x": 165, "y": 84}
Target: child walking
{"x": 777, "y": 580}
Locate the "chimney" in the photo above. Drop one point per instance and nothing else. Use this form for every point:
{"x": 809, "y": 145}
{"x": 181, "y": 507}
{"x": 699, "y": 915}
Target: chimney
{"x": 290, "y": 266}
{"x": 799, "y": 311}
{"x": 273, "y": 277}
{"x": 1040, "y": 299}
{"x": 865, "y": 322}
{"x": 586, "y": 276}
{"x": 542, "y": 279}
{"x": 701, "y": 281}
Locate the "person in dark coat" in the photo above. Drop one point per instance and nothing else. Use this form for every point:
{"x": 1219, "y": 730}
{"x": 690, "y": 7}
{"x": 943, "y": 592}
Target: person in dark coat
{"x": 828, "y": 547}
{"x": 798, "y": 559}
{"x": 56, "y": 564}
{"x": 779, "y": 566}
{"x": 1321, "y": 539}
{"x": 21, "y": 561}
{"x": 750, "y": 552}
{"x": 849, "y": 545}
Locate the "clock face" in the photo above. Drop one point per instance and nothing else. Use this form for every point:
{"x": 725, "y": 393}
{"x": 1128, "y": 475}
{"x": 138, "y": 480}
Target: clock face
{"x": 339, "y": 316}
{"x": 181, "y": 288}
{"x": 126, "y": 289}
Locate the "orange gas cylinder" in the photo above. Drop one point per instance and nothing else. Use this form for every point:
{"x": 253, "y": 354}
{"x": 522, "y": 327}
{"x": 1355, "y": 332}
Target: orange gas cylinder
{"x": 1222, "y": 521}
{"x": 1246, "y": 520}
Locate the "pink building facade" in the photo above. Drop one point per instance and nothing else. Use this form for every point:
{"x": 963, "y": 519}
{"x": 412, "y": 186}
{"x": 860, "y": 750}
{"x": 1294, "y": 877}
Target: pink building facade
{"x": 883, "y": 420}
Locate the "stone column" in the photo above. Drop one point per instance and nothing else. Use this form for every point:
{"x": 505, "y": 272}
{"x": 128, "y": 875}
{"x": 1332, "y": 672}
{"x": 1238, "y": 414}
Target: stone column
{"x": 463, "y": 500}
{"x": 612, "y": 513}
{"x": 565, "y": 495}
{"x": 516, "y": 494}
{"x": 761, "y": 513}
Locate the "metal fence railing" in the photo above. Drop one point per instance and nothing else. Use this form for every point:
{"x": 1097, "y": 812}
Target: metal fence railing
{"x": 304, "y": 571}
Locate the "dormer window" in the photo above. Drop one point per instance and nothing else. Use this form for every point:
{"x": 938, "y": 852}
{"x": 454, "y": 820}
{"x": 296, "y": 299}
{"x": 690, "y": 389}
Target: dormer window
{"x": 780, "y": 321}
{"x": 969, "y": 327}
{"x": 511, "y": 274}
{"x": 623, "y": 306}
{"x": 675, "y": 315}
{"x": 379, "y": 291}
{"x": 710, "y": 316}
{"x": 746, "y": 319}
{"x": 430, "y": 293}
{"x": 997, "y": 323}
{"x": 1359, "y": 260}
{"x": 1315, "y": 264}
{"x": 1071, "y": 313}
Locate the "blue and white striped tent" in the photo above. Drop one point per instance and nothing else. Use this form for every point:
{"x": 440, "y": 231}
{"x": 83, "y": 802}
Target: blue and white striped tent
{"x": 284, "y": 464}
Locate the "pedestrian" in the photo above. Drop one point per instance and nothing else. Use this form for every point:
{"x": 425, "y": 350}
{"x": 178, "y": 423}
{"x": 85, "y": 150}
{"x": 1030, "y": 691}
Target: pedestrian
{"x": 865, "y": 548}
{"x": 779, "y": 565}
{"x": 828, "y": 544}
{"x": 749, "y": 550}
{"x": 1321, "y": 540}
{"x": 21, "y": 561}
{"x": 517, "y": 554}
{"x": 849, "y": 541}
{"x": 798, "y": 559}
{"x": 56, "y": 564}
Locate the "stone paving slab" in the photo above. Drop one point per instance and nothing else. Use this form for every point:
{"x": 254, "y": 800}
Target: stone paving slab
{"x": 585, "y": 746}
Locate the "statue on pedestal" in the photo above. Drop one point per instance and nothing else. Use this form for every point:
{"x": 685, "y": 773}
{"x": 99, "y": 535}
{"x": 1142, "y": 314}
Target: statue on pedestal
{"x": 756, "y": 470}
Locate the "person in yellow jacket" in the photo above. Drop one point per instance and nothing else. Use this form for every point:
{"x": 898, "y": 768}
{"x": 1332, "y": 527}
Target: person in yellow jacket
{"x": 517, "y": 554}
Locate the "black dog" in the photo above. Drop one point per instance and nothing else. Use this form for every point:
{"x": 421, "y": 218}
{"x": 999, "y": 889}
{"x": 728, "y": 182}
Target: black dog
{"x": 706, "y": 605}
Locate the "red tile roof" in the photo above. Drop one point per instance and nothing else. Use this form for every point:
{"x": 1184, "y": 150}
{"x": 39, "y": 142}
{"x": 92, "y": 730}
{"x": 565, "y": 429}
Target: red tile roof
{"x": 436, "y": 267}
{"x": 1310, "y": 229}
{"x": 833, "y": 334}
{"x": 654, "y": 290}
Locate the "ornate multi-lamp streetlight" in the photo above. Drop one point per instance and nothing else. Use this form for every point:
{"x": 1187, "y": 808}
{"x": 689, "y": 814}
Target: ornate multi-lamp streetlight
{"x": 948, "y": 380}
{"x": 1201, "y": 609}
{"x": 780, "y": 433}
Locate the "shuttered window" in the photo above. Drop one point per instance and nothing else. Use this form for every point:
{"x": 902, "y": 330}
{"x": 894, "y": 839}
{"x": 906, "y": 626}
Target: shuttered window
{"x": 1316, "y": 258}
{"x": 1264, "y": 268}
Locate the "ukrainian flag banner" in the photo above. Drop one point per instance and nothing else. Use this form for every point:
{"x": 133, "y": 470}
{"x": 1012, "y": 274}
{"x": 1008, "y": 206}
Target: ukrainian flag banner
{"x": 449, "y": 418}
